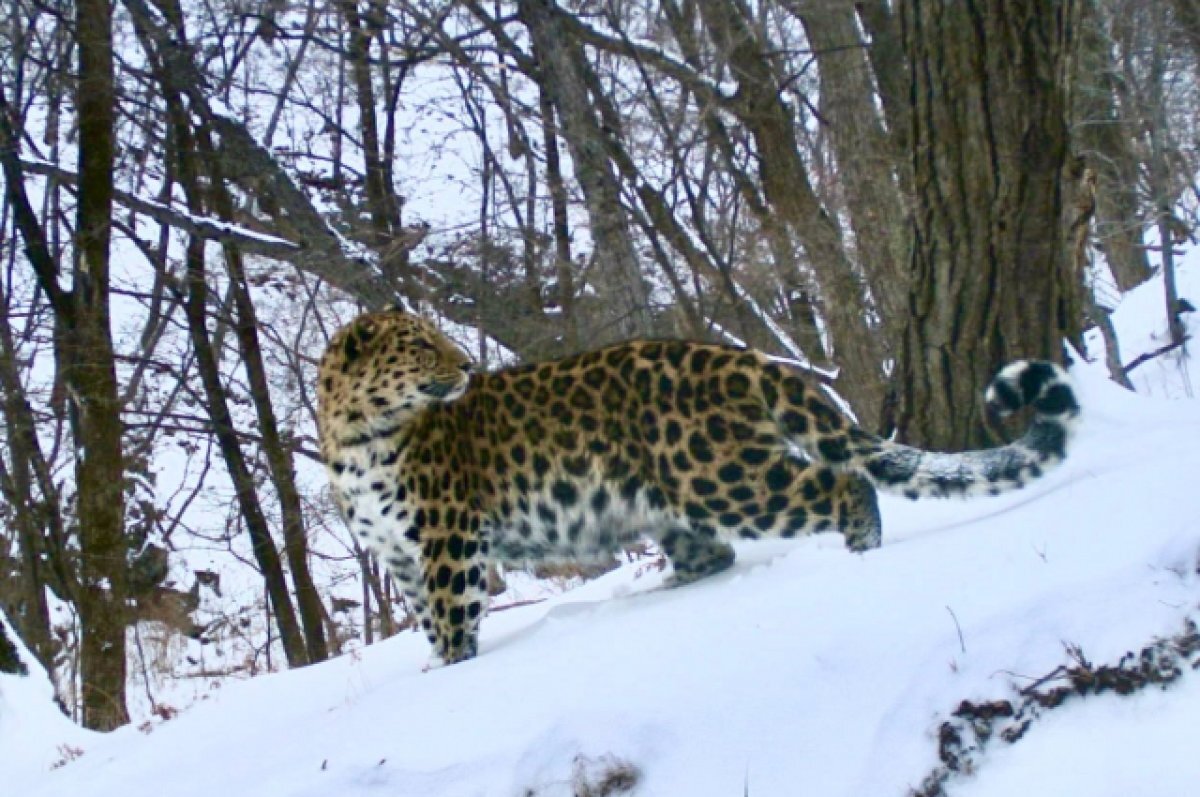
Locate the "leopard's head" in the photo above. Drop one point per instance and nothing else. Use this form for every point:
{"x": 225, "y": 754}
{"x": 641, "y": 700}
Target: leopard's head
{"x": 383, "y": 368}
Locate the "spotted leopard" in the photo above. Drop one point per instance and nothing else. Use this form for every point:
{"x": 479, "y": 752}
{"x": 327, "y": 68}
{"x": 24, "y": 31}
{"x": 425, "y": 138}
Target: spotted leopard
{"x": 441, "y": 470}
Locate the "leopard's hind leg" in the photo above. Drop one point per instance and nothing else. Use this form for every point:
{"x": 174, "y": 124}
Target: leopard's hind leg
{"x": 857, "y": 512}
{"x": 695, "y": 551}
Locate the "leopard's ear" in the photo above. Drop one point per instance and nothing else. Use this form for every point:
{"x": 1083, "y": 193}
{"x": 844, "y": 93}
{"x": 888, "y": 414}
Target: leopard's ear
{"x": 362, "y": 330}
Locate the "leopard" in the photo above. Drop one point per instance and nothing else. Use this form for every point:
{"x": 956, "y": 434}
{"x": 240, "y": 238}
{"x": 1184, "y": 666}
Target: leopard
{"x": 444, "y": 471}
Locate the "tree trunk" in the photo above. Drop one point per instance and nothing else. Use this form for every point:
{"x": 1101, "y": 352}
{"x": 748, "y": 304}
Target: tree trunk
{"x": 27, "y": 594}
{"x": 886, "y": 54}
{"x": 1162, "y": 193}
{"x": 1104, "y": 140}
{"x": 263, "y": 546}
{"x": 175, "y": 82}
{"x": 86, "y": 351}
{"x": 62, "y": 578}
{"x": 10, "y": 660}
{"x": 279, "y": 460}
{"x": 381, "y": 196}
{"x": 560, "y": 226}
{"x": 865, "y": 156}
{"x": 786, "y": 185}
{"x": 990, "y": 281}
{"x": 618, "y": 279}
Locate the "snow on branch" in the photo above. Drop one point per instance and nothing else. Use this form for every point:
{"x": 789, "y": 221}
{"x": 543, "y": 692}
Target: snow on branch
{"x": 251, "y": 241}
{"x": 653, "y": 56}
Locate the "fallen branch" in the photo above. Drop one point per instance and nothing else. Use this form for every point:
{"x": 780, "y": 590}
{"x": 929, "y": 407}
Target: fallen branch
{"x": 515, "y": 605}
{"x": 963, "y": 738}
{"x": 1150, "y": 355}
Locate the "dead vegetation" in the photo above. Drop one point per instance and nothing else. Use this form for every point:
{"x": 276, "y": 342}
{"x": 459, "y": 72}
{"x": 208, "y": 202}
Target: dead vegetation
{"x": 602, "y": 776}
{"x": 963, "y": 739}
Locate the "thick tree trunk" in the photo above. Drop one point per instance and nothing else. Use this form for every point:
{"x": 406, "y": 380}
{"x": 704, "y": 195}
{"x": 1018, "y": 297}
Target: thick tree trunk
{"x": 87, "y": 352}
{"x": 990, "y": 281}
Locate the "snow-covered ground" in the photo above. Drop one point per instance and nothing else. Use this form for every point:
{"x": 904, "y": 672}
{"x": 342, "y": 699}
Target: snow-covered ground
{"x": 804, "y": 670}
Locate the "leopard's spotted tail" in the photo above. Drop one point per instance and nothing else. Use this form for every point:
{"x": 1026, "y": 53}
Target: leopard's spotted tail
{"x": 917, "y": 473}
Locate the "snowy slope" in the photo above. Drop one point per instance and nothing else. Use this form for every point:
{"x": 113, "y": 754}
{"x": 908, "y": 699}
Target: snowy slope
{"x": 806, "y": 669}
{"x": 34, "y": 734}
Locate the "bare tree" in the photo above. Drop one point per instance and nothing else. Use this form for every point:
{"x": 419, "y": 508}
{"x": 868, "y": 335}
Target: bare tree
{"x": 565, "y": 76}
{"x": 85, "y": 356}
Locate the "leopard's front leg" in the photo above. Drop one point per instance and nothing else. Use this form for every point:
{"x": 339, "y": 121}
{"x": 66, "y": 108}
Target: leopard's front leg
{"x": 454, "y": 565}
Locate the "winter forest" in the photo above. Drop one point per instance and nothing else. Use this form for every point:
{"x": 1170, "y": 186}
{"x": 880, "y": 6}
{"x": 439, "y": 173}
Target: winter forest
{"x": 900, "y": 195}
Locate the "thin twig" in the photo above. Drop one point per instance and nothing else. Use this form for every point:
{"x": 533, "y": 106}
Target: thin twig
{"x": 1150, "y": 355}
{"x": 962, "y": 644}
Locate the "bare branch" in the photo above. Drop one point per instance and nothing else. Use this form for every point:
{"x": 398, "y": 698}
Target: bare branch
{"x": 210, "y": 229}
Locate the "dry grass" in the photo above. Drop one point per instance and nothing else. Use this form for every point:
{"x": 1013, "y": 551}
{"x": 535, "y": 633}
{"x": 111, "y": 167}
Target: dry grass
{"x": 604, "y": 776}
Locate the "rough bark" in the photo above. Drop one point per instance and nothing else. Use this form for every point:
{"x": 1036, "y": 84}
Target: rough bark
{"x": 85, "y": 353}
{"x": 990, "y": 281}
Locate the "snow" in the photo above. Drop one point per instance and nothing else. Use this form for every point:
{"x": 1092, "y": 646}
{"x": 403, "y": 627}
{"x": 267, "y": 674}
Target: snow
{"x": 34, "y": 734}
{"x": 1117, "y": 747}
{"x": 804, "y": 664}
{"x": 1140, "y": 323}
